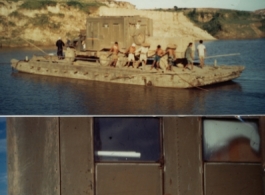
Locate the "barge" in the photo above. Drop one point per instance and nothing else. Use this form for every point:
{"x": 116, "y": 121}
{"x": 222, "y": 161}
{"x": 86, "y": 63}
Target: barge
{"x": 94, "y": 70}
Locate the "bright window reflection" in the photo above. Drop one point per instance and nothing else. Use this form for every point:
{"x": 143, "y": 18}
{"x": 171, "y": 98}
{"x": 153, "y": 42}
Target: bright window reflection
{"x": 236, "y": 141}
{"x": 127, "y": 139}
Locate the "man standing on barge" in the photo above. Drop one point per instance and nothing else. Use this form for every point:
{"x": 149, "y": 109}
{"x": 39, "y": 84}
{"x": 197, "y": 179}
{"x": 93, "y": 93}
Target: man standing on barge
{"x": 60, "y": 45}
{"x": 189, "y": 57}
{"x": 201, "y": 52}
{"x": 131, "y": 57}
{"x": 158, "y": 54}
{"x": 115, "y": 51}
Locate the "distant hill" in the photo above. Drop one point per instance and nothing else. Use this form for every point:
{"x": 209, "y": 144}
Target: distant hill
{"x": 260, "y": 11}
{"x": 42, "y": 22}
{"x": 228, "y": 24}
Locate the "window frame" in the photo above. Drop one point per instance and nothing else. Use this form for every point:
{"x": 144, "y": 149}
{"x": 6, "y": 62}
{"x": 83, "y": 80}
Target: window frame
{"x": 138, "y": 162}
{"x": 254, "y": 119}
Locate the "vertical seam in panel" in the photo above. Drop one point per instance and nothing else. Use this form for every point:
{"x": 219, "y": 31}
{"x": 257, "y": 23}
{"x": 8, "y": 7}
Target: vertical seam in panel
{"x": 161, "y": 131}
{"x": 93, "y": 160}
{"x": 177, "y": 155}
{"x": 59, "y": 140}
{"x": 201, "y": 153}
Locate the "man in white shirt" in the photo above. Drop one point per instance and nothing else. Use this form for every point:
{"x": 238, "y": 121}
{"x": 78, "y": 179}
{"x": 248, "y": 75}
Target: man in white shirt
{"x": 143, "y": 55}
{"x": 201, "y": 52}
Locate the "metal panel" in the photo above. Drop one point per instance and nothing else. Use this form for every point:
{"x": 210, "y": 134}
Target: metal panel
{"x": 183, "y": 162}
{"x": 116, "y": 32}
{"x": 76, "y": 151}
{"x": 236, "y": 179}
{"x": 128, "y": 179}
{"x": 33, "y": 156}
{"x": 262, "y": 130}
{"x": 92, "y": 40}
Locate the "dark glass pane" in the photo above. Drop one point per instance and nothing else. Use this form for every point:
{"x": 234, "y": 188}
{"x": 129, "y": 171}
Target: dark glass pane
{"x": 231, "y": 141}
{"x": 127, "y": 139}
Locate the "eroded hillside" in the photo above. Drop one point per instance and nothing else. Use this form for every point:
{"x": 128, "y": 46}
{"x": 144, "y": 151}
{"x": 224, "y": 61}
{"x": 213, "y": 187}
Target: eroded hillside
{"x": 25, "y": 22}
{"x": 229, "y": 24}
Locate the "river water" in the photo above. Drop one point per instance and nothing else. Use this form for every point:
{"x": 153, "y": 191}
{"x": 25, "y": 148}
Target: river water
{"x": 26, "y": 94}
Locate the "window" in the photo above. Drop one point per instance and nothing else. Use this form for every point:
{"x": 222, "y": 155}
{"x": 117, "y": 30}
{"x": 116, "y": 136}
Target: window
{"x": 231, "y": 141}
{"x": 127, "y": 139}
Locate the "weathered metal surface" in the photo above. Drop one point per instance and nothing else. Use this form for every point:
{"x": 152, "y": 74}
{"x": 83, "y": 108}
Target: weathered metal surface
{"x": 96, "y": 72}
{"x": 102, "y": 32}
{"x": 236, "y": 179}
{"x": 183, "y": 161}
{"x": 33, "y": 156}
{"x": 128, "y": 179}
{"x": 76, "y": 152}
{"x": 55, "y": 156}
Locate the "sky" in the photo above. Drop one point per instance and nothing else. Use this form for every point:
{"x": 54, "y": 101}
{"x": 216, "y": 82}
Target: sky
{"x": 247, "y": 5}
{"x": 3, "y": 157}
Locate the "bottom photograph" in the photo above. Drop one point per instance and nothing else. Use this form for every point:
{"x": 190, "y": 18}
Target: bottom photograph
{"x": 215, "y": 155}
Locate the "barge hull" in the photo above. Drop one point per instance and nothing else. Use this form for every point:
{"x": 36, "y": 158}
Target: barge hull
{"x": 95, "y": 72}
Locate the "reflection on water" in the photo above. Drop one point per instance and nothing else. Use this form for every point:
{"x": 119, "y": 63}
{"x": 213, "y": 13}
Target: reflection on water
{"x": 106, "y": 98}
{"x": 43, "y": 95}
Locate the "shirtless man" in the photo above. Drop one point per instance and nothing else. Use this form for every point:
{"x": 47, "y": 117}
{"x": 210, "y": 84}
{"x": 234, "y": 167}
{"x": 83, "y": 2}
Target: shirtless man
{"x": 171, "y": 56}
{"x": 115, "y": 52}
{"x": 131, "y": 57}
{"x": 158, "y": 54}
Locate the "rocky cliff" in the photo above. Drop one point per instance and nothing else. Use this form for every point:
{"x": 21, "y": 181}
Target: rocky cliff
{"x": 25, "y": 22}
{"x": 42, "y": 22}
{"x": 229, "y": 24}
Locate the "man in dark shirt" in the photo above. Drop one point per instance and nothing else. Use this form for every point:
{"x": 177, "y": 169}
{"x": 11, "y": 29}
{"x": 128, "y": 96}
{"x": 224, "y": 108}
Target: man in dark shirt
{"x": 189, "y": 56}
{"x": 59, "y": 44}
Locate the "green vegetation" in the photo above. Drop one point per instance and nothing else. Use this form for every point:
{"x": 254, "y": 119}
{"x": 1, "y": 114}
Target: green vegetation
{"x": 17, "y": 14}
{"x": 37, "y": 5}
{"x": 11, "y": 24}
{"x": 174, "y": 9}
{"x": 60, "y": 15}
{"x": 43, "y": 21}
{"x": 16, "y": 32}
{"x": 214, "y": 22}
{"x": 3, "y": 20}
{"x": 213, "y": 26}
{"x": 83, "y": 6}
{"x": 262, "y": 27}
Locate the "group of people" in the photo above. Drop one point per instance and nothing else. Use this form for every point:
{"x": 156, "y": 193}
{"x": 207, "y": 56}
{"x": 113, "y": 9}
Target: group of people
{"x": 158, "y": 54}
{"x": 201, "y": 49}
{"x": 143, "y": 51}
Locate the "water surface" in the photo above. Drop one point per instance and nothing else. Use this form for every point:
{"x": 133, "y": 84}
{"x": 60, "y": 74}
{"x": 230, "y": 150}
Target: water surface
{"x": 26, "y": 94}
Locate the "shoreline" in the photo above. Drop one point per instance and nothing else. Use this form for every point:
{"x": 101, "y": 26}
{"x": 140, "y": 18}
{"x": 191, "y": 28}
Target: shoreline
{"x": 53, "y": 45}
